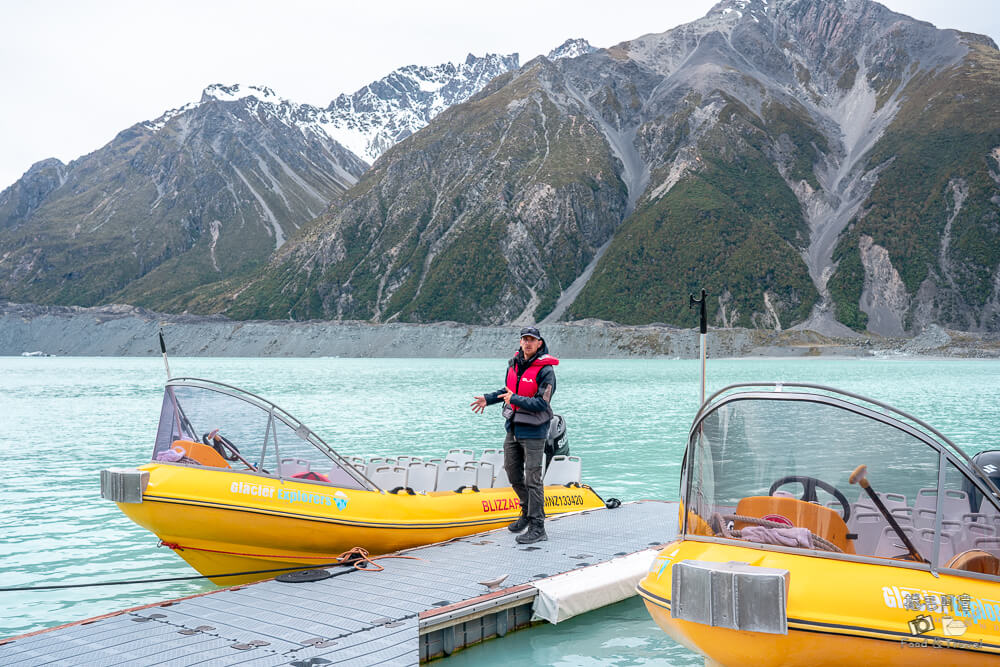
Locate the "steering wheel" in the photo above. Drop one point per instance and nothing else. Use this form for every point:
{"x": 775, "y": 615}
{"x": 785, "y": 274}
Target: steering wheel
{"x": 809, "y": 494}
{"x": 221, "y": 444}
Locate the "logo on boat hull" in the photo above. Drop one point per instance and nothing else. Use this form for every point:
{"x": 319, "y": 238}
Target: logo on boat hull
{"x": 501, "y": 505}
{"x": 340, "y": 500}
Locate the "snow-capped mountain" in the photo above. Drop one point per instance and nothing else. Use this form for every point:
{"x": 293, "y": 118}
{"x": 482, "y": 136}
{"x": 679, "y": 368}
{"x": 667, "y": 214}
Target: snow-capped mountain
{"x": 208, "y": 190}
{"x": 374, "y": 118}
{"x": 571, "y": 48}
{"x": 383, "y": 113}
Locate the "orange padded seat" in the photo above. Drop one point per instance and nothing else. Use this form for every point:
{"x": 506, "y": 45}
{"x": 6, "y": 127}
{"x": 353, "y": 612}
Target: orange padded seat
{"x": 203, "y": 454}
{"x": 976, "y": 560}
{"x": 822, "y": 521}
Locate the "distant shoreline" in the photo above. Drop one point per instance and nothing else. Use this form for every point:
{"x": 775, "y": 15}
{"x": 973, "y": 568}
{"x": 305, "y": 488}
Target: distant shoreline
{"x": 132, "y": 332}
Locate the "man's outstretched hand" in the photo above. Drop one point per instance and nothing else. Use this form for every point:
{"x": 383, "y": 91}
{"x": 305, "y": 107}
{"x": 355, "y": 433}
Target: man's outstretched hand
{"x": 479, "y": 404}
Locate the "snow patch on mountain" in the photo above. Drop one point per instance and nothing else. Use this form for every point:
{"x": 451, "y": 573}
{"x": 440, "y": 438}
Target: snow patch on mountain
{"x": 383, "y": 113}
{"x": 158, "y": 124}
{"x": 572, "y": 48}
{"x": 237, "y": 92}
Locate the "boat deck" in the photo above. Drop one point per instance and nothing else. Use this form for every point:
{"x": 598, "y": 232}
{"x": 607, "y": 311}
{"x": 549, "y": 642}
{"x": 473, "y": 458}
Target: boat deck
{"x": 413, "y": 610}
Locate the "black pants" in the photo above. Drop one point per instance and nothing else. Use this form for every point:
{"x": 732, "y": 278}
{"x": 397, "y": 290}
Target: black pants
{"x": 522, "y": 459}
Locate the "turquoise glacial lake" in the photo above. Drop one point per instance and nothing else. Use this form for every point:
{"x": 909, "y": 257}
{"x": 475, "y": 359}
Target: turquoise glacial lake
{"x": 62, "y": 420}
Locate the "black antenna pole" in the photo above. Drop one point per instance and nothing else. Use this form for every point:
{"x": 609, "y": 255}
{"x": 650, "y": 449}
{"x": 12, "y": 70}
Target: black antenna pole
{"x": 704, "y": 330}
{"x": 163, "y": 350}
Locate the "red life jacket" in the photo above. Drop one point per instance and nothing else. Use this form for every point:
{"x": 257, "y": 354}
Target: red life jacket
{"x": 526, "y": 385}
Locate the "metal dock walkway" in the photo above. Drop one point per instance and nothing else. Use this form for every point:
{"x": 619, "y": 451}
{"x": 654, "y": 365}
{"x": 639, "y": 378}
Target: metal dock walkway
{"x": 411, "y": 611}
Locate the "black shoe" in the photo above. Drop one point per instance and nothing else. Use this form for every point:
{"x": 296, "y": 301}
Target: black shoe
{"x": 519, "y": 525}
{"x": 534, "y": 534}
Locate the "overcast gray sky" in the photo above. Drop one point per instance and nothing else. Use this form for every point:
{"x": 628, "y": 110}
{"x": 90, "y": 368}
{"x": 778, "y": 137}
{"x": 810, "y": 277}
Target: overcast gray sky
{"x": 76, "y": 72}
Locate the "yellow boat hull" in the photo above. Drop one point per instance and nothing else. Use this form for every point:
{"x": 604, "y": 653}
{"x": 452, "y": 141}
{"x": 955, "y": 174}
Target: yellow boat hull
{"x": 222, "y": 521}
{"x": 839, "y": 612}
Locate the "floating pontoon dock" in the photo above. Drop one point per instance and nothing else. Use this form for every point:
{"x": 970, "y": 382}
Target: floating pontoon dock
{"x": 454, "y": 594}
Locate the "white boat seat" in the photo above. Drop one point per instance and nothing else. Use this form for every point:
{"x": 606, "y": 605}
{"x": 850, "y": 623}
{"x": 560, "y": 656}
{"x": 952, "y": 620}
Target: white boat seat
{"x": 862, "y": 507}
{"x": 987, "y": 508}
{"x": 500, "y": 479}
{"x": 421, "y": 477}
{"x": 926, "y": 499}
{"x": 341, "y": 478}
{"x": 405, "y": 461}
{"x": 890, "y": 545}
{"x": 460, "y": 456}
{"x": 956, "y": 503}
{"x": 977, "y": 517}
{"x": 868, "y": 527}
{"x": 970, "y": 532}
{"x": 925, "y": 545}
{"x": 563, "y": 470}
{"x": 492, "y": 455}
{"x": 990, "y": 544}
{"x": 495, "y": 456}
{"x": 902, "y": 515}
{"x": 373, "y": 463}
{"x": 890, "y": 500}
{"x": 954, "y": 530}
{"x": 389, "y": 477}
{"x": 484, "y": 474}
{"x": 289, "y": 467}
{"x": 448, "y": 477}
{"x": 924, "y": 518}
{"x": 893, "y": 500}
{"x": 452, "y": 476}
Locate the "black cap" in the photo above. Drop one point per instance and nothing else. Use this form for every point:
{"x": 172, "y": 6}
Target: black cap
{"x": 531, "y": 331}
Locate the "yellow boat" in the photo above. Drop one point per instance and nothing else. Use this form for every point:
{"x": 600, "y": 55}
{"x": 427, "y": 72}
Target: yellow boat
{"x": 775, "y": 565}
{"x": 237, "y": 484}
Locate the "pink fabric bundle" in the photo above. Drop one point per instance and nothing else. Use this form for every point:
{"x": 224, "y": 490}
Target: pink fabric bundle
{"x": 786, "y": 537}
{"x": 170, "y": 455}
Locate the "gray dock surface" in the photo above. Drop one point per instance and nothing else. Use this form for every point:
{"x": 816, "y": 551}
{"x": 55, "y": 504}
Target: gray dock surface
{"x": 358, "y": 617}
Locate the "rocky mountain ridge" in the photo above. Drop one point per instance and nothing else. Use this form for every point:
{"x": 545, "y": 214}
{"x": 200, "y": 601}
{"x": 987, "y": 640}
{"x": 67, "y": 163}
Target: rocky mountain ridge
{"x": 766, "y": 152}
{"x": 207, "y": 191}
{"x": 204, "y": 192}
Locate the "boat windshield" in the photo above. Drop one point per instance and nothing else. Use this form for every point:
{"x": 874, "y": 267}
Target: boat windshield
{"x": 791, "y": 469}
{"x": 215, "y": 425}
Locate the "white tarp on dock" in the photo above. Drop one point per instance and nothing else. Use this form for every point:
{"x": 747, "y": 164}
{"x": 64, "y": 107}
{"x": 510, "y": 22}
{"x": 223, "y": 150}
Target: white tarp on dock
{"x": 579, "y": 591}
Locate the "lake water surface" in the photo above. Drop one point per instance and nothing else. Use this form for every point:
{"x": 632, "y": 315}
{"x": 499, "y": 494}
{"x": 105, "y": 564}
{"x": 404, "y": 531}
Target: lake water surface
{"x": 64, "y": 419}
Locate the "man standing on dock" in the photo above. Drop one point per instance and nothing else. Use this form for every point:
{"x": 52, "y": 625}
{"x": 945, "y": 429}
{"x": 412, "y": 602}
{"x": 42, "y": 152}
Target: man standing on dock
{"x": 527, "y": 397}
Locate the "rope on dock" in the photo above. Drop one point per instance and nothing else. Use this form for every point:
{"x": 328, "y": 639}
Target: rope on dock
{"x": 356, "y": 558}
